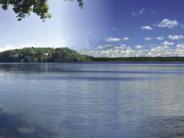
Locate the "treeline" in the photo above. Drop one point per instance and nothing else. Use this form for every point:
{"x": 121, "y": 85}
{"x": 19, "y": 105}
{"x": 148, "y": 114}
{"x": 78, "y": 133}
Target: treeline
{"x": 42, "y": 55}
{"x": 67, "y": 55}
{"x": 140, "y": 59}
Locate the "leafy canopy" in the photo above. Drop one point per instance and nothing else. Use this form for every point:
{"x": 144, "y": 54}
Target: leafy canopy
{"x": 42, "y": 55}
{"x": 23, "y": 8}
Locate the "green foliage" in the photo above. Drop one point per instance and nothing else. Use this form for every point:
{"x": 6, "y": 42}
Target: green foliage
{"x": 67, "y": 55}
{"x": 42, "y": 55}
{"x": 23, "y": 8}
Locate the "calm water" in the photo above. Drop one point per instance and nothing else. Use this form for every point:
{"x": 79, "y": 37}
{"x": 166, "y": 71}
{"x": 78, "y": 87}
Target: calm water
{"x": 91, "y": 100}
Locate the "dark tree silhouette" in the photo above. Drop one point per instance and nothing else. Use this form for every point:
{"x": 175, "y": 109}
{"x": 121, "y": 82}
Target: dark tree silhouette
{"x": 23, "y": 8}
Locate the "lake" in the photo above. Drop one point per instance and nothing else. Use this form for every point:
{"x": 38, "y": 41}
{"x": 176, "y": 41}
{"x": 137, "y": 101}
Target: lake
{"x": 91, "y": 100}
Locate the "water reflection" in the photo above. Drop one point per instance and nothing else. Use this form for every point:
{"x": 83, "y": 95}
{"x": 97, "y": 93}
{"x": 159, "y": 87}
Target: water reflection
{"x": 162, "y": 127}
{"x": 12, "y": 126}
{"x": 91, "y": 101}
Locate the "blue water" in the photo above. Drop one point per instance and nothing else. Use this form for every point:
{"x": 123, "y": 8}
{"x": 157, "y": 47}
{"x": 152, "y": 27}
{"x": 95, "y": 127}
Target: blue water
{"x": 97, "y": 100}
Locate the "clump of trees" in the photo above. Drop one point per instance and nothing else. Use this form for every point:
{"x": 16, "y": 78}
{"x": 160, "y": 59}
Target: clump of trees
{"x": 23, "y": 8}
{"x": 42, "y": 55}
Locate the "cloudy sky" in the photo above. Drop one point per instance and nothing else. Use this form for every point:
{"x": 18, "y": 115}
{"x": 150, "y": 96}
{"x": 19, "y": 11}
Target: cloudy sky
{"x": 112, "y": 28}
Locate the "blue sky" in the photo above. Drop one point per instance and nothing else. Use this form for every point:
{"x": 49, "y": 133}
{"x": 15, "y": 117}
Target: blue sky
{"x": 102, "y": 28}
{"x": 69, "y": 26}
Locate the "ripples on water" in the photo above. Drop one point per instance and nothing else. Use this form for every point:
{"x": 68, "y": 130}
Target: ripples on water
{"x": 111, "y": 100}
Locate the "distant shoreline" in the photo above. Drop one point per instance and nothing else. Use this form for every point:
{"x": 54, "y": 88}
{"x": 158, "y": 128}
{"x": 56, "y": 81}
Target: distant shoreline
{"x": 142, "y": 59}
{"x": 66, "y": 55}
{"x": 98, "y": 62}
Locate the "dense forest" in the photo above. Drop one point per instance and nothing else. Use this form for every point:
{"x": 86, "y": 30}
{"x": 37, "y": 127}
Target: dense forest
{"x": 42, "y": 55}
{"x": 67, "y": 55}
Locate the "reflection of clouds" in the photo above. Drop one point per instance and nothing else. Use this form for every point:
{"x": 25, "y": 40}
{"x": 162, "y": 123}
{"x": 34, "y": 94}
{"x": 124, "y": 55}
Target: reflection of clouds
{"x": 79, "y": 107}
{"x": 164, "y": 50}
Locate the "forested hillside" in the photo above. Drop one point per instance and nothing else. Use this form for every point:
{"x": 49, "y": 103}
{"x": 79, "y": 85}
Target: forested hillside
{"x": 42, "y": 55}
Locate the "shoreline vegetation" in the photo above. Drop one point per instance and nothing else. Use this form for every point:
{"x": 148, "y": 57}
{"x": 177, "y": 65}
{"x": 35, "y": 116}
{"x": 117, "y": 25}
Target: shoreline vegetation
{"x": 33, "y": 55}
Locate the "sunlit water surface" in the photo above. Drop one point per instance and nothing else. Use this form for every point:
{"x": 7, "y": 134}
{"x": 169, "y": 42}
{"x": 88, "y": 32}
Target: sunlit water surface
{"x": 99, "y": 100}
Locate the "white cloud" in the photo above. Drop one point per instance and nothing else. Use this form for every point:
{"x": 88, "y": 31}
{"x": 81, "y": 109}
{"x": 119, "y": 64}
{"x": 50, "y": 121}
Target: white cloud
{"x": 168, "y": 23}
{"x": 167, "y": 43}
{"x": 148, "y": 38}
{"x": 105, "y": 46}
{"x": 180, "y": 45}
{"x": 160, "y": 38}
{"x": 138, "y": 51}
{"x": 116, "y": 39}
{"x": 147, "y": 27}
{"x": 113, "y": 39}
{"x": 125, "y": 38}
{"x": 10, "y": 46}
{"x": 175, "y": 37}
{"x": 139, "y": 46}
